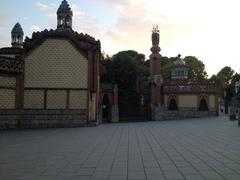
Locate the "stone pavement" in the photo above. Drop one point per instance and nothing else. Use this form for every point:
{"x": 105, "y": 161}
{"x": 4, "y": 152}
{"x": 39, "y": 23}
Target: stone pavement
{"x": 181, "y": 149}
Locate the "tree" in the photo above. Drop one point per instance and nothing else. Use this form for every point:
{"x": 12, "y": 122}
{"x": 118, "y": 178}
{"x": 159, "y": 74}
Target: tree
{"x": 225, "y": 76}
{"x": 196, "y": 69}
{"x": 123, "y": 69}
{"x": 226, "y": 79}
{"x": 166, "y": 64}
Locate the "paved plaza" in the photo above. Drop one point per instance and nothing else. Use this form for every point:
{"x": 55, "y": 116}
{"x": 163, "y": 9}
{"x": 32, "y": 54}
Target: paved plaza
{"x": 181, "y": 149}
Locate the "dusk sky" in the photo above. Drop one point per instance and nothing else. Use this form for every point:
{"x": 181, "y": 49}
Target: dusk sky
{"x": 207, "y": 29}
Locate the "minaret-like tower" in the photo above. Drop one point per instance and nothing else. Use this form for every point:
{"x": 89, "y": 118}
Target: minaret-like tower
{"x": 17, "y": 36}
{"x": 155, "y": 56}
{"x": 64, "y": 16}
{"x": 179, "y": 69}
{"x": 155, "y": 76}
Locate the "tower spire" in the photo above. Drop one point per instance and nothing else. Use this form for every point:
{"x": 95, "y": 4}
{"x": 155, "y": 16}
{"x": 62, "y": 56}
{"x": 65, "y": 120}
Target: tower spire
{"x": 155, "y": 77}
{"x": 17, "y": 36}
{"x": 64, "y": 16}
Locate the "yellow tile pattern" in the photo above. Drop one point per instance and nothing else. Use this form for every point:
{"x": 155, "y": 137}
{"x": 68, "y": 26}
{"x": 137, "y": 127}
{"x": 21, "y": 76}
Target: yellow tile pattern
{"x": 212, "y": 101}
{"x": 187, "y": 101}
{"x": 33, "y": 99}
{"x": 78, "y": 100}
{"x": 56, "y": 99}
{"x": 7, "y": 99}
{"x": 7, "y": 81}
{"x": 56, "y": 63}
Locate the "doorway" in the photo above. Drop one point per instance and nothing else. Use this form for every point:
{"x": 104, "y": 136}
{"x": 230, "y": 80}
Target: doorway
{"x": 106, "y": 109}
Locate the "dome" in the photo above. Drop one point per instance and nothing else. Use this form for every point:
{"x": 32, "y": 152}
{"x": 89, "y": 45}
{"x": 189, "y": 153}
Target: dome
{"x": 17, "y": 29}
{"x": 179, "y": 69}
{"x": 179, "y": 61}
{"x": 64, "y": 9}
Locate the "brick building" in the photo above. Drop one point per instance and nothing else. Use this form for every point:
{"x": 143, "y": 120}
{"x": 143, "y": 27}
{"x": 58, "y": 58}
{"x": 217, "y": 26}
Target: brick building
{"x": 179, "y": 97}
{"x": 50, "y": 79}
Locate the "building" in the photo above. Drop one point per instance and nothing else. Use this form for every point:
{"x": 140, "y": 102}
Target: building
{"x": 178, "y": 97}
{"x": 237, "y": 86}
{"x": 50, "y": 79}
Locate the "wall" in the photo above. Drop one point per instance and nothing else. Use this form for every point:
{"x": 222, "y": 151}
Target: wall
{"x": 56, "y": 64}
{"x": 212, "y": 101}
{"x": 187, "y": 101}
{"x": 10, "y": 119}
{"x": 56, "y": 77}
{"x": 188, "y": 107}
{"x": 7, "y": 92}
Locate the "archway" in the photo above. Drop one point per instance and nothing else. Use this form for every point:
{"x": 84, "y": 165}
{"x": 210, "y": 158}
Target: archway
{"x": 105, "y": 109}
{"x": 203, "y": 105}
{"x": 172, "y": 105}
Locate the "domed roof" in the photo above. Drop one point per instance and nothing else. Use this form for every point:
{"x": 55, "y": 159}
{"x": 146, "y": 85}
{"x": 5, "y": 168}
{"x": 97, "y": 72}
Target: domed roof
{"x": 64, "y": 8}
{"x": 179, "y": 61}
{"x": 17, "y": 29}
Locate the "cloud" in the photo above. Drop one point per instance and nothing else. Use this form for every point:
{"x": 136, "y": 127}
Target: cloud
{"x": 34, "y": 28}
{"x": 4, "y": 42}
{"x": 132, "y": 29}
{"x": 3, "y": 20}
{"x": 84, "y": 17}
{"x": 50, "y": 11}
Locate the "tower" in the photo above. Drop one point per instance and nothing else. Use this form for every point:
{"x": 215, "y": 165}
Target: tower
{"x": 155, "y": 76}
{"x": 64, "y": 16}
{"x": 179, "y": 69}
{"x": 17, "y": 36}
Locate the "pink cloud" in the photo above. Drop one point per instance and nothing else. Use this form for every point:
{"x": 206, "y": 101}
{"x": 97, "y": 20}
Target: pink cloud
{"x": 48, "y": 10}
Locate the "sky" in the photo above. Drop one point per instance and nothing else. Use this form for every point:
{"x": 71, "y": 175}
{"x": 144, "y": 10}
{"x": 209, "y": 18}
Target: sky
{"x": 207, "y": 29}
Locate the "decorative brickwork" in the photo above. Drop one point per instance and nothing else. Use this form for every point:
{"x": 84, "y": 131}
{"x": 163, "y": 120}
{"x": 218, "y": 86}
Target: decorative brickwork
{"x": 78, "y": 99}
{"x": 7, "y": 99}
{"x": 7, "y": 81}
{"x": 51, "y": 79}
{"x": 56, "y": 64}
{"x": 10, "y": 65}
{"x": 34, "y": 99}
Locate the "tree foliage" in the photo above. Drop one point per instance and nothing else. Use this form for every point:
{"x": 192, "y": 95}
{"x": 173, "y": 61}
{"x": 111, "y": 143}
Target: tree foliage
{"x": 123, "y": 69}
{"x": 226, "y": 78}
{"x": 196, "y": 69}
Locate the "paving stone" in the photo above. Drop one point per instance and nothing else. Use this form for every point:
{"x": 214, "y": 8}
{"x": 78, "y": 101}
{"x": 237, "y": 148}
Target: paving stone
{"x": 232, "y": 176}
{"x": 173, "y": 175}
{"x": 191, "y": 149}
{"x": 85, "y": 171}
{"x": 193, "y": 177}
{"x": 155, "y": 177}
{"x": 136, "y": 175}
{"x": 211, "y": 175}
{"x": 113, "y": 177}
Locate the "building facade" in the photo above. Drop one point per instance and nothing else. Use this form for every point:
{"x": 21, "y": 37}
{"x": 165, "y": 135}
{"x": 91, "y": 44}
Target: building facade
{"x": 50, "y": 79}
{"x": 178, "y": 97}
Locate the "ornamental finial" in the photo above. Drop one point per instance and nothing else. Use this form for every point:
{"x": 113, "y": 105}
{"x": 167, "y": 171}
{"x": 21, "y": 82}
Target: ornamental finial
{"x": 155, "y": 36}
{"x": 155, "y": 29}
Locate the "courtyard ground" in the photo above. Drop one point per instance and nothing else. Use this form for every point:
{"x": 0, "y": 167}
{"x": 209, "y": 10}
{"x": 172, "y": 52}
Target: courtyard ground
{"x": 181, "y": 149}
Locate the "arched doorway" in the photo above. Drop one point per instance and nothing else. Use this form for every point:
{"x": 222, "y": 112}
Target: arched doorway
{"x": 105, "y": 109}
{"x": 203, "y": 105}
{"x": 172, "y": 105}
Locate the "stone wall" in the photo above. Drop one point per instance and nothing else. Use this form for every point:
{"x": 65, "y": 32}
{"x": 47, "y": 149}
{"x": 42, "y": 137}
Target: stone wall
{"x": 11, "y": 119}
{"x": 184, "y": 113}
